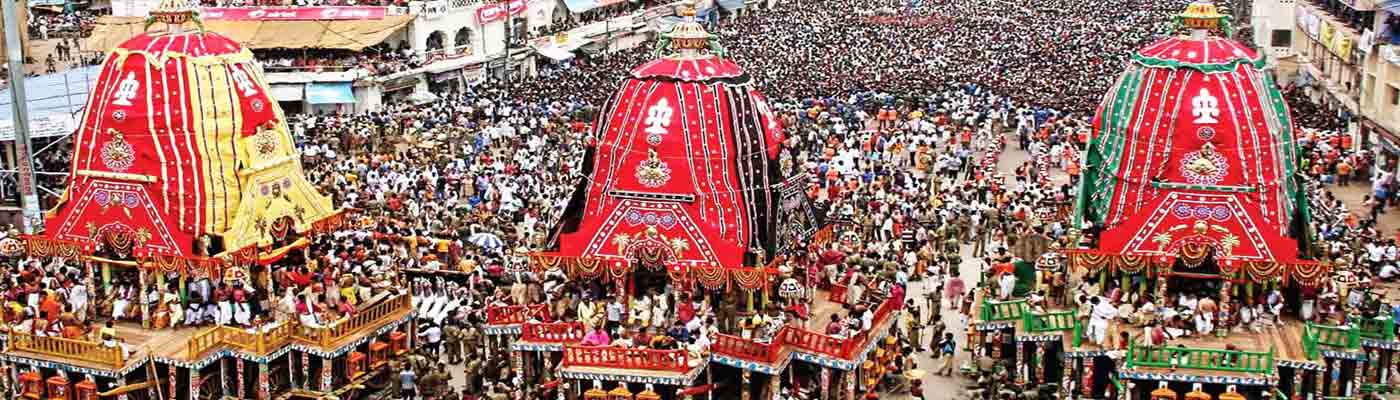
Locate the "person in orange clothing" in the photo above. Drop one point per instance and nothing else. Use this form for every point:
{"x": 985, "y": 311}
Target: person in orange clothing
{"x": 50, "y": 306}
{"x": 1344, "y": 171}
{"x": 72, "y": 329}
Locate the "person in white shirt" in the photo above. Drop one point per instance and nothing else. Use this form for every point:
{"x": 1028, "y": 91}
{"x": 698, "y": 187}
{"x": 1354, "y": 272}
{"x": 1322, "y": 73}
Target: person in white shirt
{"x": 1006, "y": 283}
{"x": 1389, "y": 272}
{"x": 1101, "y": 313}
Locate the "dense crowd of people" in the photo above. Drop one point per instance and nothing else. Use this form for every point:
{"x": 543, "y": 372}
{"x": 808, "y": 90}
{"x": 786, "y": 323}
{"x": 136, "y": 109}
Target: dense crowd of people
{"x": 47, "y": 25}
{"x": 378, "y": 60}
{"x": 1050, "y": 54}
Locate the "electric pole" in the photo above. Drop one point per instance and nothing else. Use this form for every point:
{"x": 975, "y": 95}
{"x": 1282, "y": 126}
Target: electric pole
{"x": 29, "y": 198}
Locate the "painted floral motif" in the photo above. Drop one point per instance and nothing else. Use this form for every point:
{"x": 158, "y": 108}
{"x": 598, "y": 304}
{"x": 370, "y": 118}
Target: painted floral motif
{"x": 1204, "y": 166}
{"x": 265, "y": 143}
{"x": 1218, "y": 212}
{"x": 650, "y": 218}
{"x": 653, "y": 172}
{"x": 117, "y": 154}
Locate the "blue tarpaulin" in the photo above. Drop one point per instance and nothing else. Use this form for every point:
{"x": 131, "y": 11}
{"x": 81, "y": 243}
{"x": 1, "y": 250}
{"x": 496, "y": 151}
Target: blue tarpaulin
{"x": 329, "y": 93}
{"x": 1393, "y": 6}
{"x": 578, "y": 6}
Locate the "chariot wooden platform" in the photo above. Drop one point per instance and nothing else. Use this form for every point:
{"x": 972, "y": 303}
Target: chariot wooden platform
{"x": 795, "y": 346}
{"x": 175, "y": 363}
{"x": 1283, "y": 359}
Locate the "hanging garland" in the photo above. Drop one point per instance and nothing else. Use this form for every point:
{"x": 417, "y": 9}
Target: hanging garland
{"x": 1088, "y": 260}
{"x": 280, "y": 227}
{"x": 330, "y": 223}
{"x": 678, "y": 275}
{"x": 619, "y": 269}
{"x": 39, "y": 247}
{"x": 712, "y": 278}
{"x": 119, "y": 238}
{"x": 1133, "y": 263}
{"x": 1305, "y": 272}
{"x": 1193, "y": 254}
{"x": 540, "y": 263}
{"x": 1311, "y": 274}
{"x": 749, "y": 279}
{"x": 586, "y": 268}
{"x": 1263, "y": 271}
{"x": 245, "y": 256}
{"x": 168, "y": 263}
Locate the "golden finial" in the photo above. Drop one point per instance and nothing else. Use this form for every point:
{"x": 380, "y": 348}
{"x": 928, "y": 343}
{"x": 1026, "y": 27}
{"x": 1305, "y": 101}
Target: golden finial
{"x": 688, "y": 38}
{"x": 1203, "y": 15}
{"x": 174, "y": 13}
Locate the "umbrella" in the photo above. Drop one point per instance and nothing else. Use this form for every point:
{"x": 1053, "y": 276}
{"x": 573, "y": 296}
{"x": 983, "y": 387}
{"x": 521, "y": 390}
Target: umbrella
{"x": 486, "y": 240}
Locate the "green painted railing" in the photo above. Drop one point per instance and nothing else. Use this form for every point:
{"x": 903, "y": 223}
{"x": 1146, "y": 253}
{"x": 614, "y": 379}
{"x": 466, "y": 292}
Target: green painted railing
{"x": 1309, "y": 342}
{"x": 1201, "y": 359}
{"x": 1009, "y": 310}
{"x": 1377, "y": 328}
{"x": 1315, "y": 336}
{"x": 1078, "y": 334}
{"x": 1054, "y": 321}
{"x": 1376, "y": 388}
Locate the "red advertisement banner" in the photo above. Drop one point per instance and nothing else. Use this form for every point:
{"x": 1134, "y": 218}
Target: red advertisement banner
{"x": 495, "y": 12}
{"x": 293, "y": 13}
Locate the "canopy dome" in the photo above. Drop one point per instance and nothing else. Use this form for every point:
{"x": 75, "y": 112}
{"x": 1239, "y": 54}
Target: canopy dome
{"x": 683, "y": 167}
{"x": 180, "y": 141}
{"x": 1194, "y": 150}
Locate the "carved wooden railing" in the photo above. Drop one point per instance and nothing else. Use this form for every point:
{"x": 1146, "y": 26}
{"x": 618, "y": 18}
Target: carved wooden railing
{"x": 374, "y": 315}
{"x": 1376, "y": 328}
{"x": 203, "y": 341}
{"x": 617, "y": 357}
{"x": 552, "y": 332}
{"x": 1054, "y": 321}
{"x": 262, "y": 341}
{"x": 1201, "y": 359}
{"x": 812, "y": 342}
{"x": 746, "y": 349}
{"x": 1315, "y": 336}
{"x": 518, "y": 314}
{"x": 71, "y": 349}
{"x": 802, "y": 339}
{"x": 1010, "y": 310}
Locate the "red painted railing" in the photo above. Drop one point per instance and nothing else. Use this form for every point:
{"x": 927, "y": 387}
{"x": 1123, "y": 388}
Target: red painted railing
{"x": 802, "y": 339}
{"x": 617, "y": 357}
{"x": 737, "y": 347}
{"x": 552, "y": 332}
{"x": 812, "y": 342}
{"x": 510, "y": 315}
